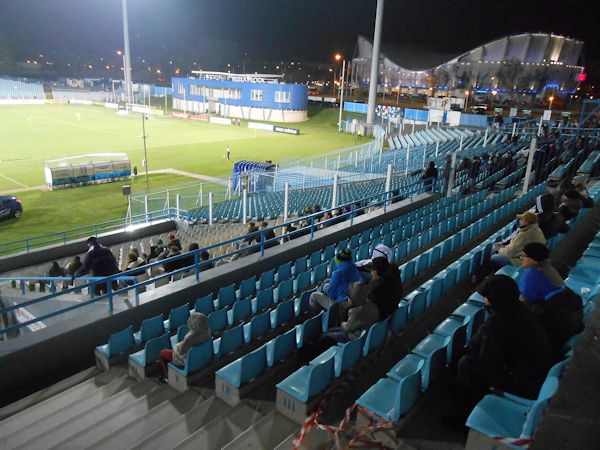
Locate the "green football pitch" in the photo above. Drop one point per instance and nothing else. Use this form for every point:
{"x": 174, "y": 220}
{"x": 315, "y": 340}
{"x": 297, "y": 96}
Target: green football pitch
{"x": 32, "y": 135}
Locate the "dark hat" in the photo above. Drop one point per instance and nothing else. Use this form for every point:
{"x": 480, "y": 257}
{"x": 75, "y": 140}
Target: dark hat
{"x": 501, "y": 291}
{"x": 536, "y": 251}
{"x": 572, "y": 194}
{"x": 343, "y": 255}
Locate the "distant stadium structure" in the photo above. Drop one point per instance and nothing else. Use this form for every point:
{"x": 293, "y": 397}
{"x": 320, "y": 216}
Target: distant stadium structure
{"x": 529, "y": 64}
{"x": 241, "y": 96}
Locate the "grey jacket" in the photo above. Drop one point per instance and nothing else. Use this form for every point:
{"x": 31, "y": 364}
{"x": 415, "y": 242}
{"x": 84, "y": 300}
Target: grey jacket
{"x": 199, "y": 333}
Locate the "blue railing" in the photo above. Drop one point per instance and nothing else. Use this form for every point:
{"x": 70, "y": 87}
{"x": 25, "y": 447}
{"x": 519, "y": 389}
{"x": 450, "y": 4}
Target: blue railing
{"x": 62, "y": 237}
{"x": 382, "y": 199}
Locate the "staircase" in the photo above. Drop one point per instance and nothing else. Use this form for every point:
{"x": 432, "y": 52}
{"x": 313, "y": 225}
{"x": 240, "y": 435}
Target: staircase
{"x": 114, "y": 411}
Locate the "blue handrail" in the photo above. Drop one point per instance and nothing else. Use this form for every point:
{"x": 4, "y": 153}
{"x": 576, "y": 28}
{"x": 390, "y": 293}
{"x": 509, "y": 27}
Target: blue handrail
{"x": 380, "y": 199}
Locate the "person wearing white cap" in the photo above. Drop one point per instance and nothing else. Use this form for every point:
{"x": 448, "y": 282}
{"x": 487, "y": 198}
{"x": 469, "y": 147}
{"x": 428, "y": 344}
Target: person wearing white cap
{"x": 380, "y": 251}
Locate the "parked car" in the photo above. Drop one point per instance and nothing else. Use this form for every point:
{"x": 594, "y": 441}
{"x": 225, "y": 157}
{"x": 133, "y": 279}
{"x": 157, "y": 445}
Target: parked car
{"x": 10, "y": 207}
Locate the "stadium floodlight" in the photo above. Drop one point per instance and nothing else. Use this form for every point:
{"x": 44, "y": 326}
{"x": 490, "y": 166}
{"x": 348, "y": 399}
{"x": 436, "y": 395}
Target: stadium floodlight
{"x": 126, "y": 55}
{"x": 551, "y": 98}
{"x": 466, "y": 99}
{"x": 144, "y": 137}
{"x": 342, "y": 78}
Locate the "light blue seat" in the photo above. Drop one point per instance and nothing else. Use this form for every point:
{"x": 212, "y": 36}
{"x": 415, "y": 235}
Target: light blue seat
{"x": 433, "y": 288}
{"x": 205, "y": 305}
{"x": 375, "y": 336}
{"x": 284, "y": 290}
{"x": 502, "y": 417}
{"x": 284, "y": 272}
{"x": 345, "y": 355}
{"x": 302, "y": 282}
{"x": 399, "y": 317}
{"x": 281, "y": 347}
{"x": 310, "y": 330}
{"x": 244, "y": 369}
{"x": 226, "y": 296}
{"x": 197, "y": 358}
{"x": 247, "y": 288}
{"x": 230, "y": 341}
{"x": 300, "y": 265}
{"x": 433, "y": 349}
{"x": 151, "y": 351}
{"x": 308, "y": 381}
{"x": 392, "y": 398}
{"x": 407, "y": 271}
{"x": 119, "y": 342}
{"x": 240, "y": 310}
{"x": 320, "y": 273}
{"x": 217, "y": 320}
{"x": 422, "y": 262}
{"x": 401, "y": 250}
{"x": 301, "y": 303}
{"x": 266, "y": 280}
{"x": 177, "y": 317}
{"x": 454, "y": 327}
{"x": 150, "y": 328}
{"x": 434, "y": 255}
{"x": 329, "y": 251}
{"x": 178, "y": 337}
{"x": 284, "y": 313}
{"x": 509, "y": 271}
{"x": 259, "y": 326}
{"x": 263, "y": 300}
{"x": 476, "y": 315}
{"x": 416, "y": 303}
{"x": 315, "y": 259}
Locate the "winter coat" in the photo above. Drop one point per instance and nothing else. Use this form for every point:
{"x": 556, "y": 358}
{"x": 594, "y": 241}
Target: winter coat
{"x": 362, "y": 313}
{"x": 386, "y": 292}
{"x": 525, "y": 235}
{"x": 549, "y": 222}
{"x": 199, "y": 333}
{"x": 538, "y": 281}
{"x": 345, "y": 272}
{"x": 570, "y": 208}
{"x": 100, "y": 261}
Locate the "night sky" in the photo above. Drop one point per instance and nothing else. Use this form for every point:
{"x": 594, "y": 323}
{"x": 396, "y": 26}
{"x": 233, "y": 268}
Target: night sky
{"x": 271, "y": 30}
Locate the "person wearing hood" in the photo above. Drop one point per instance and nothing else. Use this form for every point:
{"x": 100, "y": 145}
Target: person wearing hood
{"x": 550, "y": 223}
{"x": 199, "y": 332}
{"x": 571, "y": 203}
{"x": 336, "y": 290}
{"x": 430, "y": 177}
{"x": 510, "y": 351}
{"x": 385, "y": 287}
{"x": 528, "y": 231}
{"x": 100, "y": 261}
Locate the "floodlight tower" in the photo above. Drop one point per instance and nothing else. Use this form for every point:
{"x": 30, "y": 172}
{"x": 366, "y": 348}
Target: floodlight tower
{"x": 126, "y": 56}
{"x": 373, "y": 81}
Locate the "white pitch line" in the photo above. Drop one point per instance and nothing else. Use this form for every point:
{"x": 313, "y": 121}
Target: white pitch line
{"x": 14, "y": 181}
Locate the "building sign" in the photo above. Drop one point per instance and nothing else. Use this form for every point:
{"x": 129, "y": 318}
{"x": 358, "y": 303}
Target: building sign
{"x": 239, "y": 77}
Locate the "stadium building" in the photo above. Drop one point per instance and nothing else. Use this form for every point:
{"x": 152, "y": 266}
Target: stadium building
{"x": 529, "y": 64}
{"x": 243, "y": 96}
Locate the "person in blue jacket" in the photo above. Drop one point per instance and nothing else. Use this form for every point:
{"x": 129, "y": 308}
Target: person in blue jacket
{"x": 539, "y": 278}
{"x": 336, "y": 289}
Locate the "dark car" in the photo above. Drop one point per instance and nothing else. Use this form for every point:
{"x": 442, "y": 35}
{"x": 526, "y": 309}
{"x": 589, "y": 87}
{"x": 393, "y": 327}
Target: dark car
{"x": 10, "y": 207}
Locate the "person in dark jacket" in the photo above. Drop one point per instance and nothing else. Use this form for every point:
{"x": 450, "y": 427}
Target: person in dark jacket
{"x": 430, "y": 177}
{"x": 269, "y": 235}
{"x": 100, "y": 261}
{"x": 571, "y": 203}
{"x": 385, "y": 287}
{"x": 540, "y": 278}
{"x": 55, "y": 270}
{"x": 550, "y": 223}
{"x": 510, "y": 351}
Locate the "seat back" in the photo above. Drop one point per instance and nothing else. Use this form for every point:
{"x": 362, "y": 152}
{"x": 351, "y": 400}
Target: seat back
{"x": 349, "y": 355}
{"x": 311, "y": 329}
{"x": 284, "y": 272}
{"x": 198, "y": 357}
{"x": 320, "y": 273}
{"x": 559, "y": 368}
{"x": 155, "y": 345}
{"x": 267, "y": 279}
{"x": 182, "y": 331}
{"x": 151, "y": 328}
{"x": 300, "y": 265}
{"x": 241, "y": 309}
{"x": 178, "y": 316}
{"x": 315, "y": 259}
{"x": 121, "y": 341}
{"x": 409, "y": 387}
{"x": 417, "y": 304}
{"x": 231, "y": 340}
{"x": 534, "y": 416}
{"x": 320, "y": 376}
{"x": 217, "y": 320}
{"x": 283, "y": 313}
{"x": 399, "y": 317}
{"x": 285, "y": 289}
{"x": 253, "y": 364}
{"x": 375, "y": 336}
{"x": 303, "y": 281}
{"x": 284, "y": 345}
{"x": 264, "y": 299}
{"x": 259, "y": 325}
{"x": 247, "y": 288}
{"x": 205, "y": 305}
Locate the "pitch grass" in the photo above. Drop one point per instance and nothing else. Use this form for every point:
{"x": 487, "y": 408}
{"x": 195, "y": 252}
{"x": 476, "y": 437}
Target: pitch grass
{"x": 34, "y": 134}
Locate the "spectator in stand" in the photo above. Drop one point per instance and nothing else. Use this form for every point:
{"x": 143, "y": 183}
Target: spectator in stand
{"x": 199, "y": 333}
{"x": 581, "y": 189}
{"x": 510, "y": 351}
{"x": 154, "y": 254}
{"x": 205, "y": 264}
{"x": 430, "y": 177}
{"x": 447, "y": 171}
{"x": 317, "y": 211}
{"x": 73, "y": 266}
{"x": 134, "y": 261}
{"x": 358, "y": 209}
{"x": 171, "y": 266}
{"x": 250, "y": 238}
{"x": 550, "y": 223}
{"x": 190, "y": 259}
{"x": 528, "y": 232}
{"x": 325, "y": 218}
{"x": 385, "y": 287}
{"x": 55, "y": 271}
{"x": 269, "y": 235}
{"x": 336, "y": 289}
{"x": 100, "y": 261}
{"x": 571, "y": 204}
{"x": 540, "y": 278}
{"x": 173, "y": 241}
{"x": 290, "y": 232}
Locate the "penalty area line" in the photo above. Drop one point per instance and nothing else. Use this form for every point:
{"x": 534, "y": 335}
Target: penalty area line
{"x": 14, "y": 181}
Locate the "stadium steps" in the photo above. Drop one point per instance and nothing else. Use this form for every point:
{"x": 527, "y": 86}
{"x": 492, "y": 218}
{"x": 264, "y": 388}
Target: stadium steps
{"x": 270, "y": 431}
{"x": 48, "y": 92}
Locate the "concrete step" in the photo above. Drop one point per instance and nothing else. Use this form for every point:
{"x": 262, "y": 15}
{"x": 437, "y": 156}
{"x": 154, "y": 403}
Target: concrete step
{"x": 221, "y": 430}
{"x": 267, "y": 433}
{"x": 57, "y": 428}
{"x": 47, "y": 417}
{"x": 91, "y": 429}
{"x": 171, "y": 433}
{"x": 126, "y": 435}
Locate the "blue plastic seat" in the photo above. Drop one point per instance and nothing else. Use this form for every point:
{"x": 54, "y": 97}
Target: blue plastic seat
{"x": 281, "y": 347}
{"x": 300, "y": 265}
{"x": 197, "y": 358}
{"x": 119, "y": 342}
{"x": 501, "y": 417}
{"x": 205, "y": 305}
{"x": 433, "y": 289}
{"x": 301, "y": 303}
{"x": 392, "y": 398}
{"x": 266, "y": 280}
{"x": 399, "y": 317}
{"x": 240, "y": 310}
{"x": 284, "y": 313}
{"x": 217, "y": 320}
{"x": 284, "y": 272}
{"x": 345, "y": 355}
{"x": 259, "y": 326}
{"x": 315, "y": 259}
{"x": 226, "y": 296}
{"x": 302, "y": 282}
{"x": 244, "y": 369}
{"x": 284, "y": 290}
{"x": 416, "y": 303}
{"x": 433, "y": 349}
{"x": 151, "y": 328}
{"x": 320, "y": 273}
{"x": 263, "y": 300}
{"x": 407, "y": 271}
{"x": 247, "y": 288}
{"x": 476, "y": 315}
{"x": 151, "y": 351}
{"x": 310, "y": 330}
{"x": 178, "y": 337}
{"x": 422, "y": 262}
{"x": 308, "y": 380}
{"x": 455, "y": 328}
{"x": 177, "y": 317}
{"x": 375, "y": 336}
{"x": 230, "y": 340}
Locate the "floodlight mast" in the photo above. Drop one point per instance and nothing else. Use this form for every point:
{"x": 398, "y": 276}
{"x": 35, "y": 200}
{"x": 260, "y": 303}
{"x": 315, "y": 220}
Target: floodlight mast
{"x": 126, "y": 57}
{"x": 373, "y": 81}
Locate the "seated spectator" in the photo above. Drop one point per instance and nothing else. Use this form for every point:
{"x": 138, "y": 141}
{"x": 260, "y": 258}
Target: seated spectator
{"x": 380, "y": 251}
{"x": 289, "y": 231}
{"x": 571, "y": 203}
{"x": 325, "y": 218}
{"x": 528, "y": 232}
{"x": 205, "y": 263}
{"x": 588, "y": 202}
{"x": 550, "y": 223}
{"x": 269, "y": 235}
{"x": 336, "y": 290}
{"x": 153, "y": 255}
{"x": 385, "y": 288}
{"x": 190, "y": 260}
{"x": 172, "y": 240}
{"x": 55, "y": 271}
{"x": 358, "y": 209}
{"x": 199, "y": 333}
{"x": 317, "y": 211}
{"x": 134, "y": 261}
{"x": 396, "y": 197}
{"x": 171, "y": 266}
{"x": 510, "y": 351}
{"x": 135, "y": 251}
{"x": 73, "y": 266}
{"x": 160, "y": 246}
{"x": 430, "y": 177}
{"x": 539, "y": 278}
